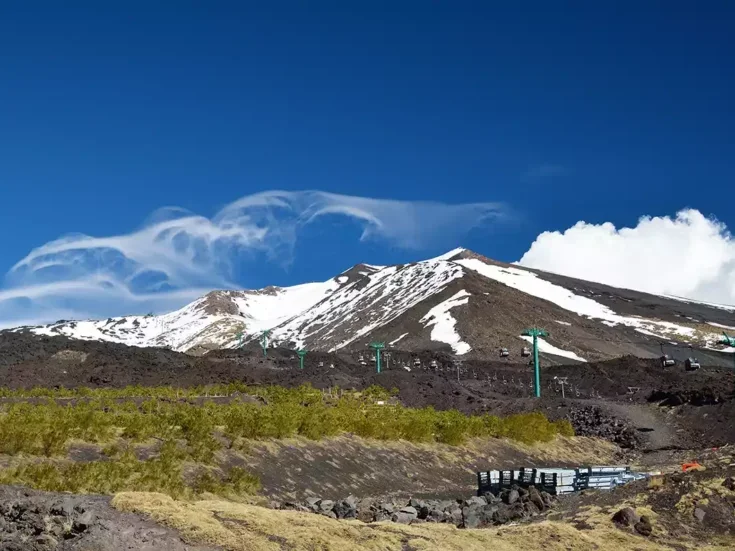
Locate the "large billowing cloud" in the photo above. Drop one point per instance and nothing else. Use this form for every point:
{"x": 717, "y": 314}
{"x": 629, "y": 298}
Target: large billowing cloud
{"x": 177, "y": 255}
{"x": 689, "y": 256}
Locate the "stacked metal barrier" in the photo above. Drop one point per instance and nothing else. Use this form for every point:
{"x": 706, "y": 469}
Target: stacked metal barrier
{"x": 557, "y": 481}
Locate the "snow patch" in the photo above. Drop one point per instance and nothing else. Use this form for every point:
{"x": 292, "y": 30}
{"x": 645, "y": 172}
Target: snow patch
{"x": 549, "y": 348}
{"x": 450, "y": 254}
{"x": 444, "y": 324}
{"x": 721, "y": 326}
{"x": 391, "y": 343}
{"x": 529, "y": 283}
{"x": 563, "y": 323}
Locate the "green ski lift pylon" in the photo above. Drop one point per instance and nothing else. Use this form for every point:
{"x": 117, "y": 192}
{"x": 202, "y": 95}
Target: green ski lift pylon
{"x": 301, "y": 353}
{"x": 377, "y": 346}
{"x": 535, "y": 332}
{"x": 729, "y": 341}
{"x": 264, "y": 341}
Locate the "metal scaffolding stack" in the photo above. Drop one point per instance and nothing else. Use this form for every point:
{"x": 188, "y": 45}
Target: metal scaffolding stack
{"x": 557, "y": 481}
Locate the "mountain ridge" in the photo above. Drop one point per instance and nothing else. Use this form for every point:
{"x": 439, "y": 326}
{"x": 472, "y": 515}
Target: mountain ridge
{"x": 460, "y": 302}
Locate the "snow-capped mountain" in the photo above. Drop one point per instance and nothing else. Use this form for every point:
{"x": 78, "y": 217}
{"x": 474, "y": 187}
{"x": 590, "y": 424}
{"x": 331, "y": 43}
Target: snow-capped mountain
{"x": 459, "y": 301}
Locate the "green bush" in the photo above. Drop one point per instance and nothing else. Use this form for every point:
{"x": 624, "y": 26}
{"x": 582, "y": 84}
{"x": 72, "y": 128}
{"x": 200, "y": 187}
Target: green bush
{"x": 45, "y": 429}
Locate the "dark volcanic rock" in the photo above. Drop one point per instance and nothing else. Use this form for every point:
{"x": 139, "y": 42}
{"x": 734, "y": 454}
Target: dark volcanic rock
{"x": 44, "y": 521}
{"x": 643, "y": 526}
{"x": 625, "y": 517}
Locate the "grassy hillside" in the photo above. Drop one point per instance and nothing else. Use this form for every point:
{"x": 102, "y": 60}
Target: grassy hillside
{"x": 164, "y": 440}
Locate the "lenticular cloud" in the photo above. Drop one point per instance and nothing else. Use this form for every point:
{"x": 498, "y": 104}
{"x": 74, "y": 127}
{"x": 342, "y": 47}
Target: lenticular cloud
{"x": 178, "y": 255}
{"x": 689, "y": 256}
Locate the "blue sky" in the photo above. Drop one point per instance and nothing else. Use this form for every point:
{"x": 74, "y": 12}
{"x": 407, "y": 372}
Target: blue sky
{"x": 547, "y": 113}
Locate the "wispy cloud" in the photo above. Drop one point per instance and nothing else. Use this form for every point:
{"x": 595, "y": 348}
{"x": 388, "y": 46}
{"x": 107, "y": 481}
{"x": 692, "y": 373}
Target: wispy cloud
{"x": 178, "y": 255}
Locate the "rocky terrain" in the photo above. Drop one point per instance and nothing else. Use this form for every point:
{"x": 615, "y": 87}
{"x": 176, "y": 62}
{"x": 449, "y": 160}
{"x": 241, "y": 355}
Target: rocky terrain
{"x": 513, "y": 504}
{"x": 44, "y": 521}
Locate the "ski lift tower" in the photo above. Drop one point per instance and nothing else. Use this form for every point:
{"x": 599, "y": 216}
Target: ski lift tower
{"x": 377, "y": 346}
{"x": 239, "y": 339}
{"x": 729, "y": 341}
{"x": 535, "y": 332}
{"x": 301, "y": 353}
{"x": 264, "y": 341}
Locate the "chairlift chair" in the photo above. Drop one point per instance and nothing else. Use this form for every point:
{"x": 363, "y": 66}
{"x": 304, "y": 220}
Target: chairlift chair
{"x": 666, "y": 361}
{"x": 433, "y": 364}
{"x": 417, "y": 362}
{"x": 504, "y": 353}
{"x": 692, "y": 364}
{"x": 525, "y": 351}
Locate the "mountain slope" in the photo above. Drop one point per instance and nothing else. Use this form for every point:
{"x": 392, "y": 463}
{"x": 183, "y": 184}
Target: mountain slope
{"x": 461, "y": 302}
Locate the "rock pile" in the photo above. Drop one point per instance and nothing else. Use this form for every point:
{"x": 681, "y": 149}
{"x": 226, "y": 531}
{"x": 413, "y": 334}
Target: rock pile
{"x": 44, "y": 521}
{"x": 509, "y": 505}
{"x": 591, "y": 421}
{"x": 39, "y": 525}
{"x": 627, "y": 518}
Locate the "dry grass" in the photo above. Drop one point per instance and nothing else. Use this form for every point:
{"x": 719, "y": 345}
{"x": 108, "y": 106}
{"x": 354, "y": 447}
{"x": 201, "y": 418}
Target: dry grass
{"x": 242, "y": 527}
{"x": 701, "y": 494}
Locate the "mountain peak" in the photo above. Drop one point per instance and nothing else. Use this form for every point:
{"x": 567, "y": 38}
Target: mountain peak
{"x": 451, "y": 255}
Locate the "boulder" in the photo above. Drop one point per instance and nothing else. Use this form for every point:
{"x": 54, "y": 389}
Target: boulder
{"x": 326, "y": 505}
{"x": 437, "y": 515}
{"x": 500, "y": 516}
{"x": 343, "y": 509}
{"x": 699, "y": 514}
{"x": 643, "y": 526}
{"x": 471, "y": 517}
{"x": 313, "y": 503}
{"x": 84, "y": 522}
{"x": 511, "y": 497}
{"x": 416, "y": 503}
{"x": 411, "y": 511}
{"x": 402, "y": 518}
{"x": 44, "y": 541}
{"x": 455, "y": 516}
{"x": 476, "y": 500}
{"x": 625, "y": 517}
{"x": 381, "y": 516}
{"x": 537, "y": 500}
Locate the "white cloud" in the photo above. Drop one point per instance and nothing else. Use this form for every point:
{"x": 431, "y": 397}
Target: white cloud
{"x": 689, "y": 255}
{"x": 177, "y": 255}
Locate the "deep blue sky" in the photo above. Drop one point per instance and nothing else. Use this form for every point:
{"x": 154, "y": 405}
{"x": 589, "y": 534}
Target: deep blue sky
{"x": 562, "y": 110}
